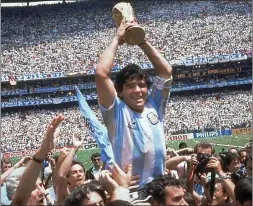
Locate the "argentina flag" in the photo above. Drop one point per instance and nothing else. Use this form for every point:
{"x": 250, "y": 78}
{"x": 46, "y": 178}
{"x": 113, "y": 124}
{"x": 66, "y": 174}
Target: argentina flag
{"x": 97, "y": 130}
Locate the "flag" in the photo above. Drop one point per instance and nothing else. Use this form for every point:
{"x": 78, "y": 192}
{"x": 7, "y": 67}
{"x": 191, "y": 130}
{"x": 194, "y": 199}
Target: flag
{"x": 96, "y": 129}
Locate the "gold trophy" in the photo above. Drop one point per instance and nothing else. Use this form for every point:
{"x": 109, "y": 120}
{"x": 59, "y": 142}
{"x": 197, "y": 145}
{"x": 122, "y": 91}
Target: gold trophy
{"x": 124, "y": 12}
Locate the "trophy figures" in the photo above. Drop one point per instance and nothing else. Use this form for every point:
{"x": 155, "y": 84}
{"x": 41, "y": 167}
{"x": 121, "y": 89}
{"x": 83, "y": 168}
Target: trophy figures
{"x": 124, "y": 12}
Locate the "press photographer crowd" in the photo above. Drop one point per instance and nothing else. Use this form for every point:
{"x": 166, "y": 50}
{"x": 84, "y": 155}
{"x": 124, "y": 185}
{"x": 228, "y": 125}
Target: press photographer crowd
{"x": 132, "y": 116}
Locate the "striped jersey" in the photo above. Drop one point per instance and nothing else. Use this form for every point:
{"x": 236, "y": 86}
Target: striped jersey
{"x": 138, "y": 138}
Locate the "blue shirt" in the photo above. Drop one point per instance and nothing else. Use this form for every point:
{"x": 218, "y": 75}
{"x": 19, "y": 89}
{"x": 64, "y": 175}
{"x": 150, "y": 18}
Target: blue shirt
{"x": 138, "y": 138}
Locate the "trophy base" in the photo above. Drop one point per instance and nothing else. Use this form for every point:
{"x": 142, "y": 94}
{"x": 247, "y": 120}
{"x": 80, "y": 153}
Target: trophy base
{"x": 134, "y": 35}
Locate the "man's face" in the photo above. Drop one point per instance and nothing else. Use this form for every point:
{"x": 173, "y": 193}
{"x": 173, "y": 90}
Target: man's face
{"x": 134, "y": 94}
{"x": 48, "y": 155}
{"x": 234, "y": 165}
{"x": 5, "y": 167}
{"x": 204, "y": 150}
{"x": 38, "y": 194}
{"x": 174, "y": 196}
{"x": 93, "y": 198}
{"x": 76, "y": 176}
{"x": 96, "y": 161}
{"x": 243, "y": 156}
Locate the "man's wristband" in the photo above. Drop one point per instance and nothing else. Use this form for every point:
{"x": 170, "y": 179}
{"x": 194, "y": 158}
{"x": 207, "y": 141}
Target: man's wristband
{"x": 37, "y": 160}
{"x": 223, "y": 177}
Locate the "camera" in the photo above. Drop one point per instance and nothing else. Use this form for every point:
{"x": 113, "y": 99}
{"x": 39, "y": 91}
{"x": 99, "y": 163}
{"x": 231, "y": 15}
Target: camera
{"x": 237, "y": 175}
{"x": 203, "y": 159}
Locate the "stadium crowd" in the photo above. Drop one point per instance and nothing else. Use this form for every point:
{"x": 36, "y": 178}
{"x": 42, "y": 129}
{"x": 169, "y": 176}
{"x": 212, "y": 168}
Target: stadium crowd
{"x": 193, "y": 177}
{"x": 184, "y": 114}
{"x": 70, "y": 37}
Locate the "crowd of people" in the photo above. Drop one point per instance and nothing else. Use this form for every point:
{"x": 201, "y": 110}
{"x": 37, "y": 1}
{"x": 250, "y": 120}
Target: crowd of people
{"x": 193, "y": 177}
{"x": 70, "y": 37}
{"x": 135, "y": 165}
{"x": 184, "y": 114}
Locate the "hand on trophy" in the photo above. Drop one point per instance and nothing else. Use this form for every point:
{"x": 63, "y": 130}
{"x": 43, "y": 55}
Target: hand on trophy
{"x": 122, "y": 30}
{"x": 128, "y": 29}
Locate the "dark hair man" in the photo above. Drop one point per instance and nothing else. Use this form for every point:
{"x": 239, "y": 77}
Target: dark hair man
{"x": 182, "y": 145}
{"x": 90, "y": 193}
{"x": 166, "y": 190}
{"x": 133, "y": 117}
{"x": 243, "y": 191}
{"x": 243, "y": 154}
{"x": 93, "y": 171}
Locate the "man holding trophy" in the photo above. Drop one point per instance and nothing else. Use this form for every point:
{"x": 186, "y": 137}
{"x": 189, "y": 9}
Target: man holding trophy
{"x": 132, "y": 115}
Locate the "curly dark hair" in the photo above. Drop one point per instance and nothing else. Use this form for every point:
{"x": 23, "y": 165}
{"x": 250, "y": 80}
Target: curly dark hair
{"x": 131, "y": 71}
{"x": 156, "y": 188}
{"x": 81, "y": 192}
{"x": 229, "y": 157}
{"x": 243, "y": 190}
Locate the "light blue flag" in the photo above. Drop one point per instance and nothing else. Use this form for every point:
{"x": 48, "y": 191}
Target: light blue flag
{"x": 97, "y": 130}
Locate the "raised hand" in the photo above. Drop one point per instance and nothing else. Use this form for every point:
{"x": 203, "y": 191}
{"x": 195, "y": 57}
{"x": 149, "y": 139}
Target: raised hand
{"x": 77, "y": 140}
{"x": 123, "y": 179}
{"x": 122, "y": 30}
{"x": 51, "y": 134}
{"x": 134, "y": 182}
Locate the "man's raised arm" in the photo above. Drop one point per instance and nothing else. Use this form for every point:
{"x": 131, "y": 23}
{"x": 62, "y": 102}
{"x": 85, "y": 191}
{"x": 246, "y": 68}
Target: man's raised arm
{"x": 31, "y": 173}
{"x": 162, "y": 67}
{"x": 105, "y": 88}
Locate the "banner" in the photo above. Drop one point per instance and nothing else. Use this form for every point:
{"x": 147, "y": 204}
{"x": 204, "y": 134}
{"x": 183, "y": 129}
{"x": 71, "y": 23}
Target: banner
{"x": 180, "y": 137}
{"x": 96, "y": 129}
{"x": 242, "y": 131}
{"x": 197, "y": 135}
{"x": 32, "y": 152}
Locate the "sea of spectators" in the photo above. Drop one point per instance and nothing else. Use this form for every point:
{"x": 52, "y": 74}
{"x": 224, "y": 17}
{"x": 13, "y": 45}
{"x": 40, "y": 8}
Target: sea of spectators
{"x": 196, "y": 176}
{"x": 70, "y": 37}
{"x": 184, "y": 114}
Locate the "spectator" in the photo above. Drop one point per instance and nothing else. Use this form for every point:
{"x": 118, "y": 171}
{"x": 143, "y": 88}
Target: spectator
{"x": 243, "y": 191}
{"x": 93, "y": 171}
{"x": 87, "y": 194}
{"x": 242, "y": 153}
{"x": 166, "y": 190}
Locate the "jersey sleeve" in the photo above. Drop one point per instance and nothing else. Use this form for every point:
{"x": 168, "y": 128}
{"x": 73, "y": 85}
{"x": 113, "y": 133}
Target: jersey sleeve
{"x": 109, "y": 115}
{"x": 160, "y": 93}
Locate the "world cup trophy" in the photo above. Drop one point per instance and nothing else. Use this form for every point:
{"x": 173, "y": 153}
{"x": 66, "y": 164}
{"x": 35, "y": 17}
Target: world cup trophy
{"x": 124, "y": 12}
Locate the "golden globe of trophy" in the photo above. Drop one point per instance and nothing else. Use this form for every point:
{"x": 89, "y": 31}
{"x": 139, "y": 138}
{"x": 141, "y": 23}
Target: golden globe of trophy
{"x": 124, "y": 12}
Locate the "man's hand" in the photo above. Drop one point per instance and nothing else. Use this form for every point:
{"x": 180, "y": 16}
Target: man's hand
{"x": 22, "y": 162}
{"x": 123, "y": 179}
{"x": 77, "y": 140}
{"x": 117, "y": 178}
{"x": 51, "y": 136}
{"x": 214, "y": 163}
{"x": 64, "y": 151}
{"x": 122, "y": 30}
{"x": 193, "y": 162}
{"x": 134, "y": 182}
{"x": 107, "y": 182}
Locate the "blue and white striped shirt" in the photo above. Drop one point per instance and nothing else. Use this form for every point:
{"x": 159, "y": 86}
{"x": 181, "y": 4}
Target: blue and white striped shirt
{"x": 138, "y": 138}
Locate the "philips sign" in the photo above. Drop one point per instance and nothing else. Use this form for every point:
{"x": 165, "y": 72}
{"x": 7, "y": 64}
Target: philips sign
{"x": 207, "y": 134}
